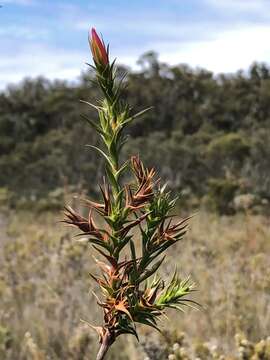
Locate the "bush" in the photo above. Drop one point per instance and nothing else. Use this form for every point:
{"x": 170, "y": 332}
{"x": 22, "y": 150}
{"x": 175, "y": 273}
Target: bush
{"x": 221, "y": 194}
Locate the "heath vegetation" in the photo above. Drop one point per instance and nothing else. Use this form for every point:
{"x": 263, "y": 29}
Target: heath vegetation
{"x": 208, "y": 137}
{"x": 45, "y": 291}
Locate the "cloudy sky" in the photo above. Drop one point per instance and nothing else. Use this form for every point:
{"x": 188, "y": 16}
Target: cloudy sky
{"x": 49, "y": 37}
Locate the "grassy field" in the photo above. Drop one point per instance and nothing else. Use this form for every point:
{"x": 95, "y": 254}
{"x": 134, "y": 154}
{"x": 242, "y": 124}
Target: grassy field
{"x": 45, "y": 290}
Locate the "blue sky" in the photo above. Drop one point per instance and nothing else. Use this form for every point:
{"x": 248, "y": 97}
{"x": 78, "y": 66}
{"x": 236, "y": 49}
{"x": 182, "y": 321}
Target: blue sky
{"x": 49, "y": 37}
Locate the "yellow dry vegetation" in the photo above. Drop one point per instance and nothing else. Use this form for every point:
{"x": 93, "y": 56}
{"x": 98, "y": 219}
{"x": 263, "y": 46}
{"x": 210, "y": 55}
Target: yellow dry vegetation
{"x": 45, "y": 290}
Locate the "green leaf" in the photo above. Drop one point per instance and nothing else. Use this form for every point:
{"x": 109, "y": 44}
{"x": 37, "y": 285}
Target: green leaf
{"x": 93, "y": 124}
{"x": 148, "y": 323}
{"x": 151, "y": 271}
{"x": 123, "y": 243}
{"x": 134, "y": 258}
{"x": 111, "y": 177}
{"x": 90, "y": 104}
{"x": 131, "y": 118}
{"x": 122, "y": 169}
{"x": 103, "y": 154}
{"x": 127, "y": 330}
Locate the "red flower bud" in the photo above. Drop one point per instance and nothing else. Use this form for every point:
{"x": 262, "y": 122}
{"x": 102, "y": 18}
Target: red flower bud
{"x": 99, "y": 51}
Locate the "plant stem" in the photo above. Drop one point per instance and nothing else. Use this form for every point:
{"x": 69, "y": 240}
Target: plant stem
{"x": 106, "y": 343}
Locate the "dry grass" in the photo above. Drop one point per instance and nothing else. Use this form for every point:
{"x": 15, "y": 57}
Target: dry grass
{"x": 44, "y": 289}
{"x": 229, "y": 259}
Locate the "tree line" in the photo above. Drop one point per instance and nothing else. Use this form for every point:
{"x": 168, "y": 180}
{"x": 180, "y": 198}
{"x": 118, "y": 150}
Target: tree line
{"x": 208, "y": 135}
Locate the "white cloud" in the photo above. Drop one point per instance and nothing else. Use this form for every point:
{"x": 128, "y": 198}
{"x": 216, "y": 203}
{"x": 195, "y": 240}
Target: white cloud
{"x": 219, "y": 47}
{"x": 148, "y": 27}
{"x": 23, "y": 33}
{"x": 229, "y": 51}
{"x": 35, "y": 61}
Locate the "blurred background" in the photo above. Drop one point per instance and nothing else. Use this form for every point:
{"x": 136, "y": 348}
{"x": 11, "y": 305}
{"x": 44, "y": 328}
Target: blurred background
{"x": 204, "y": 66}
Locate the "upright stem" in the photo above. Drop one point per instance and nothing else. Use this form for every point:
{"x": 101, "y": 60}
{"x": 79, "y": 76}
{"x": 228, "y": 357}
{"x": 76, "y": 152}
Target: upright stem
{"x": 106, "y": 343}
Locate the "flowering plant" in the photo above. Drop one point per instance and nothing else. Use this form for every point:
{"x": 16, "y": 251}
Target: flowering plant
{"x": 131, "y": 294}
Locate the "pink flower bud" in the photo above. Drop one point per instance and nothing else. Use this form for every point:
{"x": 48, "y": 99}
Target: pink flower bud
{"x": 99, "y": 51}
